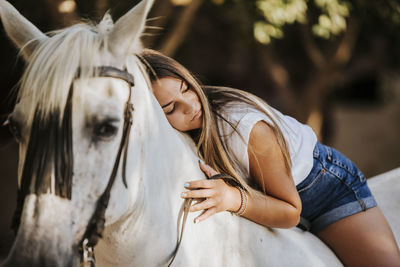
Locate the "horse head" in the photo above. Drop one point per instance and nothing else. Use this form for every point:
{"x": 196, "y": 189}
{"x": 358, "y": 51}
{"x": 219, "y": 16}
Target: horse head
{"x": 84, "y": 110}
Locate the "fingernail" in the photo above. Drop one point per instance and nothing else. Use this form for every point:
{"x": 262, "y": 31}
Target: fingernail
{"x": 186, "y": 185}
{"x": 183, "y": 194}
{"x": 201, "y": 162}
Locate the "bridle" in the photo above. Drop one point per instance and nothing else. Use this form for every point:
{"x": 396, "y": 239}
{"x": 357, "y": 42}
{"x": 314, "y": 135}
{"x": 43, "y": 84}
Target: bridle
{"x": 96, "y": 224}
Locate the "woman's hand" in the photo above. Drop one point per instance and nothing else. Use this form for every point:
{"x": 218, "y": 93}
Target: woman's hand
{"x": 212, "y": 195}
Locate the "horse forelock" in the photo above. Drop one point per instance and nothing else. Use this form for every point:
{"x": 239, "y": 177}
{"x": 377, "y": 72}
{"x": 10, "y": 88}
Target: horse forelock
{"x": 50, "y": 142}
{"x": 54, "y": 65}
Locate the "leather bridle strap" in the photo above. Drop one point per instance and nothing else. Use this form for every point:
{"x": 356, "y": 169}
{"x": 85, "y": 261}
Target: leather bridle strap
{"x": 112, "y": 72}
{"x": 184, "y": 211}
{"x": 96, "y": 224}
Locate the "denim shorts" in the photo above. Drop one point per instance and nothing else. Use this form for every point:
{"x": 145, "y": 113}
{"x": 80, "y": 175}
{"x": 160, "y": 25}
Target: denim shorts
{"x": 334, "y": 189}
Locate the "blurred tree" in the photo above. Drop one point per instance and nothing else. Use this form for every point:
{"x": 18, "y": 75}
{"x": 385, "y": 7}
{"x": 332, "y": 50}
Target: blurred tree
{"x": 175, "y": 37}
{"x": 328, "y": 59}
{"x": 309, "y": 47}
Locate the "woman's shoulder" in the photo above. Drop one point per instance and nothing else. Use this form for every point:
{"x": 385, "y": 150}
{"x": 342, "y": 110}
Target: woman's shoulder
{"x": 236, "y": 108}
{"x": 241, "y": 112}
{"x": 239, "y": 119}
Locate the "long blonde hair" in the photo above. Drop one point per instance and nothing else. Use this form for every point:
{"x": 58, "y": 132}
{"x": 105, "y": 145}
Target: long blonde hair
{"x": 209, "y": 144}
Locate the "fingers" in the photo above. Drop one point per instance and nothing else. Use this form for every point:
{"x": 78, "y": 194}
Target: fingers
{"x": 207, "y": 169}
{"x": 204, "y": 193}
{"x": 203, "y": 205}
{"x": 205, "y": 215}
{"x": 200, "y": 184}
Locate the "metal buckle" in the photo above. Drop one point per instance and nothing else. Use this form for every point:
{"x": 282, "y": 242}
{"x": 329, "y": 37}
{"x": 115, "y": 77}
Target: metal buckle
{"x": 88, "y": 259}
{"x": 128, "y": 112}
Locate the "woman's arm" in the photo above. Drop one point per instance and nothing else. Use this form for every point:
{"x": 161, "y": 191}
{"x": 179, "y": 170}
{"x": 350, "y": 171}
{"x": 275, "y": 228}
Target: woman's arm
{"x": 280, "y": 206}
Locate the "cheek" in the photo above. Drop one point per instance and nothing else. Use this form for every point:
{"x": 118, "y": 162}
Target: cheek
{"x": 173, "y": 120}
{"x": 177, "y": 121}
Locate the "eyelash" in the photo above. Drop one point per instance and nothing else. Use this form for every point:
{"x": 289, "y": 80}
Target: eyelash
{"x": 170, "y": 112}
{"x": 173, "y": 108}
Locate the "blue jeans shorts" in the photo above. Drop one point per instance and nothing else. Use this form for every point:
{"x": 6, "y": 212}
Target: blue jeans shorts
{"x": 334, "y": 189}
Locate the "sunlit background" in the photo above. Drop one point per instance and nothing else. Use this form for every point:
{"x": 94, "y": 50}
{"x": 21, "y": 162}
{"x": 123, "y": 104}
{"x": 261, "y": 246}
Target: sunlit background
{"x": 329, "y": 63}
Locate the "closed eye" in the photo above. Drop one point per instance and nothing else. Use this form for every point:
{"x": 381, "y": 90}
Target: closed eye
{"x": 186, "y": 88}
{"x": 171, "y": 111}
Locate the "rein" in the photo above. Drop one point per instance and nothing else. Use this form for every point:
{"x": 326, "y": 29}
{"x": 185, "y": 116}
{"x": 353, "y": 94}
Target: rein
{"x": 184, "y": 211}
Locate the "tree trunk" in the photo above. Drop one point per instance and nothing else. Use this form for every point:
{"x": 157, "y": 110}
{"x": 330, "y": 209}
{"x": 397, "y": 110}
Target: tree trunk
{"x": 180, "y": 30}
{"x": 101, "y": 7}
{"x": 314, "y": 99}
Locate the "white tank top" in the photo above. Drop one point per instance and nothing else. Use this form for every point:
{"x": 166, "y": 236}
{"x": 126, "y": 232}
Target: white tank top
{"x": 300, "y": 138}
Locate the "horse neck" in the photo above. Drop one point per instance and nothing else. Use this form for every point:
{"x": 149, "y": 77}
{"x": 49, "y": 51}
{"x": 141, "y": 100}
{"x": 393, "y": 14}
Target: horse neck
{"x": 165, "y": 160}
{"x": 162, "y": 201}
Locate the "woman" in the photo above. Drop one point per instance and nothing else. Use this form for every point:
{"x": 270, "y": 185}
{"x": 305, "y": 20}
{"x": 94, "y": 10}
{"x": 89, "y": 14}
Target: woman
{"x": 282, "y": 170}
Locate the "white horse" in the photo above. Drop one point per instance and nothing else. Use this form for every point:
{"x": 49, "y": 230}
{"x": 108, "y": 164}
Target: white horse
{"x": 385, "y": 188}
{"x": 71, "y": 123}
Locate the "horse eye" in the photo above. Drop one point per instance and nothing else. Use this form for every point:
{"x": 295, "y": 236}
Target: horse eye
{"x": 105, "y": 130}
{"x": 14, "y": 129}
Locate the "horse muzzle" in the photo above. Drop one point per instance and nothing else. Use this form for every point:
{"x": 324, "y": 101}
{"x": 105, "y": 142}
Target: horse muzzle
{"x": 46, "y": 235}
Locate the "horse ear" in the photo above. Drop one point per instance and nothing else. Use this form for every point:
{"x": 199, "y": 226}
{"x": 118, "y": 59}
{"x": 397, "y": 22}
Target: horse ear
{"x": 22, "y": 32}
{"x": 124, "y": 38}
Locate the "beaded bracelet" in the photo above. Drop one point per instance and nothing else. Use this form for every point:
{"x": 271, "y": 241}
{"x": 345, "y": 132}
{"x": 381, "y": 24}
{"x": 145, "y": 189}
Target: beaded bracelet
{"x": 233, "y": 182}
{"x": 243, "y": 204}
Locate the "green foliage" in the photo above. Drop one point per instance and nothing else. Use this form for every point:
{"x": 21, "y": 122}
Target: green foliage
{"x": 331, "y": 17}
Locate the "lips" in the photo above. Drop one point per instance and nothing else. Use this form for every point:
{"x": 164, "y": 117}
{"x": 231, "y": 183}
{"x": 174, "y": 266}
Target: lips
{"x": 197, "y": 115}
